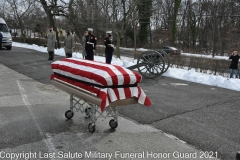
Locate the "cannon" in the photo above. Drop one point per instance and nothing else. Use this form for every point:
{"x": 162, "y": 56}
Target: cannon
{"x": 152, "y": 64}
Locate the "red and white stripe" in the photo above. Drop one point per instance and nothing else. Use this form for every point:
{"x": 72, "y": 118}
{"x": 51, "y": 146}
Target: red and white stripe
{"x": 96, "y": 72}
{"x": 101, "y": 74}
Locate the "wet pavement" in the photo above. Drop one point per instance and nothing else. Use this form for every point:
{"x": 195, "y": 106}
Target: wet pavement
{"x": 33, "y": 126}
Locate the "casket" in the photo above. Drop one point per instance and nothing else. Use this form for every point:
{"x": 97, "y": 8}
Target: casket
{"x": 109, "y": 82}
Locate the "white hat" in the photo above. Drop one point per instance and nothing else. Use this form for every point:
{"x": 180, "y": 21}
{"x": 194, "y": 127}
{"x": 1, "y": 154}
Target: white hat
{"x": 90, "y": 29}
{"x": 109, "y": 32}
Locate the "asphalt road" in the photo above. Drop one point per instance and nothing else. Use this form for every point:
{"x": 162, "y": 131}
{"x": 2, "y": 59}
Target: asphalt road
{"x": 203, "y": 116}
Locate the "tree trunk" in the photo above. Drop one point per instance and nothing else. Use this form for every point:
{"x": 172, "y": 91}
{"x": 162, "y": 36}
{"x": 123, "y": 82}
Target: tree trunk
{"x": 174, "y": 24}
{"x": 118, "y": 45}
{"x": 48, "y": 11}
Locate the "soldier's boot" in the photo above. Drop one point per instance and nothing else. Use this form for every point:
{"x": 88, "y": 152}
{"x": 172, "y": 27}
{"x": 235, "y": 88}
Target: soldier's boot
{"x": 51, "y": 55}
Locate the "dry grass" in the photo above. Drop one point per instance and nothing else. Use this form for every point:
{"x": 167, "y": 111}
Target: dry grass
{"x": 201, "y": 64}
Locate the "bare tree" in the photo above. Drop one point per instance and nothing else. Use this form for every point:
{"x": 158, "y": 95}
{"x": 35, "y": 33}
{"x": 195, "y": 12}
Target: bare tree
{"x": 119, "y": 16}
{"x": 195, "y": 25}
{"x": 54, "y": 8}
{"x": 21, "y": 11}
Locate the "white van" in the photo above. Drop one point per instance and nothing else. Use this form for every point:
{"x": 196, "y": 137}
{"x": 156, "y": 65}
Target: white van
{"x": 7, "y": 38}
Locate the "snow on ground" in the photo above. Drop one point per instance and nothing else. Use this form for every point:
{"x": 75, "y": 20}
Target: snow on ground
{"x": 187, "y": 75}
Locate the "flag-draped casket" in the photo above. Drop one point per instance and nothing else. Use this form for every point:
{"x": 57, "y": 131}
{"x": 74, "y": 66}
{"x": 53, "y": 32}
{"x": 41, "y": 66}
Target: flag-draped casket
{"x": 108, "y": 82}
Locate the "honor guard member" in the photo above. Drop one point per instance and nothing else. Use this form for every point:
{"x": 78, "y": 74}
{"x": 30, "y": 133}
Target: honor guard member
{"x": 84, "y": 54}
{"x": 1, "y": 37}
{"x": 90, "y": 45}
{"x": 51, "y": 40}
{"x": 69, "y": 44}
{"x": 108, "y": 47}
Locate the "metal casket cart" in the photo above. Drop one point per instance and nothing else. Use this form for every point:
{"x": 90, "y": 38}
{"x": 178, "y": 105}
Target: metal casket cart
{"x": 89, "y": 103}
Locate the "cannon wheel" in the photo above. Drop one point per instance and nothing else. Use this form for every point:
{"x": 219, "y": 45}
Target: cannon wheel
{"x": 166, "y": 59}
{"x": 150, "y": 64}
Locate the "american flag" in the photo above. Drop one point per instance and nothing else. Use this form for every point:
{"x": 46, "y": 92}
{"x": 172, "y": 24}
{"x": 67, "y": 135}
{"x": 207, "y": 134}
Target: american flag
{"x": 109, "y": 82}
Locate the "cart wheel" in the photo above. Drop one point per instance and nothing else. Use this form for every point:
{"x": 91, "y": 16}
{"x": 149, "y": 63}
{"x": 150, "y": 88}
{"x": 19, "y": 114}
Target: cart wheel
{"x": 87, "y": 112}
{"x": 69, "y": 114}
{"x": 150, "y": 64}
{"x": 113, "y": 123}
{"x": 91, "y": 128}
{"x": 166, "y": 59}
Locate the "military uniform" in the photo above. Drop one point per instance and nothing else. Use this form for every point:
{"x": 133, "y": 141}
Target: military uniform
{"x": 108, "y": 47}
{"x": 51, "y": 40}
{"x": 90, "y": 45}
{"x": 1, "y": 37}
{"x": 69, "y": 44}
{"x": 84, "y": 54}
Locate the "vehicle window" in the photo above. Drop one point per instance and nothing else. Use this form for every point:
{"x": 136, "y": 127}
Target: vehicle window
{"x": 3, "y": 28}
